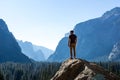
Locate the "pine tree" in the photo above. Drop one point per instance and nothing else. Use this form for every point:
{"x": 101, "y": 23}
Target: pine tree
{"x": 1, "y": 76}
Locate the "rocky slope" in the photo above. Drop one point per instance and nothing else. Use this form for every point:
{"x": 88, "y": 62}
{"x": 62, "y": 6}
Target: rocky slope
{"x": 9, "y": 48}
{"x": 78, "y": 69}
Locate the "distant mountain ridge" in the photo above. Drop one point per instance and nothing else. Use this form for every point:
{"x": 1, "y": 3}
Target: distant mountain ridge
{"x": 46, "y": 51}
{"x": 9, "y": 48}
{"x": 111, "y": 13}
{"x": 27, "y": 49}
{"x": 96, "y": 38}
{"x": 37, "y": 53}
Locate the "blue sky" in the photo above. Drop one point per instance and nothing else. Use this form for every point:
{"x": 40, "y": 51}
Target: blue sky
{"x": 45, "y": 22}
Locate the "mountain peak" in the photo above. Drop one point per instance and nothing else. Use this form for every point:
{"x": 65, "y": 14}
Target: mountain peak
{"x": 113, "y": 12}
{"x": 78, "y": 69}
{"x": 3, "y": 25}
{"x": 116, "y": 9}
{"x": 9, "y": 48}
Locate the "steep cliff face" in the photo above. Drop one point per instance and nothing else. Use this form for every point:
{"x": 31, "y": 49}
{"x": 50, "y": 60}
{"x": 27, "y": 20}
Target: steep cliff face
{"x": 78, "y": 69}
{"x": 96, "y": 38}
{"x": 115, "y": 53}
{"x": 9, "y": 48}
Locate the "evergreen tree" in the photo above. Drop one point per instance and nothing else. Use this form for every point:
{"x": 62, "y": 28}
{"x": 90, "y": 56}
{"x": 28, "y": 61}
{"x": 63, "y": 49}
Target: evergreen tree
{"x": 1, "y": 76}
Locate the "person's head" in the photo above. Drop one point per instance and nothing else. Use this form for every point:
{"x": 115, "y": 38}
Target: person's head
{"x": 71, "y": 32}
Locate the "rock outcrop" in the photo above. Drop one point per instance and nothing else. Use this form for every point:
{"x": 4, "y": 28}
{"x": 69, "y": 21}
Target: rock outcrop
{"x": 78, "y": 69}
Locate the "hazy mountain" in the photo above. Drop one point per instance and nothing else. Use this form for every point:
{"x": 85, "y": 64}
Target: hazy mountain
{"x": 27, "y": 49}
{"x": 9, "y": 48}
{"x": 47, "y": 52}
{"x": 61, "y": 52}
{"x": 115, "y": 53}
{"x": 96, "y": 38}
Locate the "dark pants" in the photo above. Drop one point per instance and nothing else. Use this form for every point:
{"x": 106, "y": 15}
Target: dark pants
{"x": 73, "y": 49}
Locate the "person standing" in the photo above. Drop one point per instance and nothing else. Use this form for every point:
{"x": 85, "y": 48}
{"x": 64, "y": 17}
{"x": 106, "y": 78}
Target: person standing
{"x": 72, "y": 44}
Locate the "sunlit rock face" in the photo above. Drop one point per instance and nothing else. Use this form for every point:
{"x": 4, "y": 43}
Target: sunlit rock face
{"x": 115, "y": 53}
{"x": 78, "y": 69}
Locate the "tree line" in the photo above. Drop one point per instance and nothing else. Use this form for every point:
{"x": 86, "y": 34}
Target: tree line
{"x": 113, "y": 67}
{"x": 42, "y": 70}
{"x": 31, "y": 71}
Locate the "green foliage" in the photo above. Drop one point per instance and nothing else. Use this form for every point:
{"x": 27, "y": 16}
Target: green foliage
{"x": 1, "y": 76}
{"x": 41, "y": 70}
{"x": 18, "y": 74}
{"x": 30, "y": 71}
{"x": 111, "y": 66}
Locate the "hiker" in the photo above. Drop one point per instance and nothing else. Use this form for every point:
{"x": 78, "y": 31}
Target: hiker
{"x": 72, "y": 44}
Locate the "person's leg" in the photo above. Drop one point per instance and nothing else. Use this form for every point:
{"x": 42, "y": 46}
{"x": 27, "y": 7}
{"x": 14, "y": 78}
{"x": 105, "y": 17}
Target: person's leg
{"x": 71, "y": 52}
{"x": 74, "y": 48}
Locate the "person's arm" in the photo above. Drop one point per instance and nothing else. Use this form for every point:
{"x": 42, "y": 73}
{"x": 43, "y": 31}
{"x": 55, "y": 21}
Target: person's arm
{"x": 76, "y": 40}
{"x": 69, "y": 42}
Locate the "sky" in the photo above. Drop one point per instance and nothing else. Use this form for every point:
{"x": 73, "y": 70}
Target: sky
{"x": 45, "y": 22}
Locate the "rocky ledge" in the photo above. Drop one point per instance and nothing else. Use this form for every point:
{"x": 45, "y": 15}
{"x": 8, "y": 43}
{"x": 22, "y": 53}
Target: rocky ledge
{"x": 78, "y": 69}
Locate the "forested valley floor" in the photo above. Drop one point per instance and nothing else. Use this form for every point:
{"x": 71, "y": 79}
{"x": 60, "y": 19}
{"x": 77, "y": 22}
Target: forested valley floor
{"x": 42, "y": 70}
